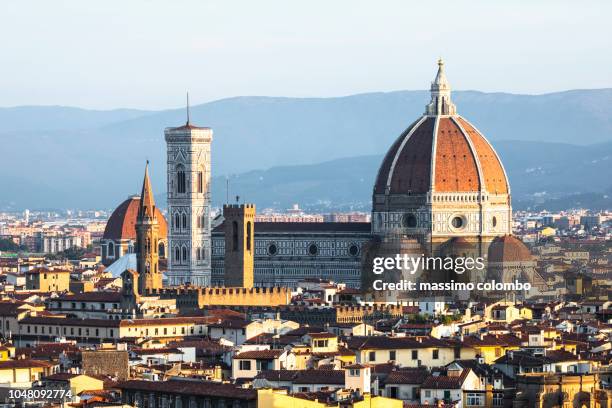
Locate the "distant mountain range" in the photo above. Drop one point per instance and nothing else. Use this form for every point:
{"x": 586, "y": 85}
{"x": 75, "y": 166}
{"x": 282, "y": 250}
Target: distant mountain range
{"x": 538, "y": 173}
{"x": 319, "y": 152}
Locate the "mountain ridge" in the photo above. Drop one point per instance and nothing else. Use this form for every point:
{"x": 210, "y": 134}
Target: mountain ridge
{"x": 64, "y": 159}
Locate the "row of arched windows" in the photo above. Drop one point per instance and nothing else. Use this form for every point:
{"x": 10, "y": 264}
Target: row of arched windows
{"x": 182, "y": 221}
{"x": 200, "y": 254}
{"x": 177, "y": 221}
{"x": 201, "y": 221}
{"x": 181, "y": 255}
{"x": 181, "y": 180}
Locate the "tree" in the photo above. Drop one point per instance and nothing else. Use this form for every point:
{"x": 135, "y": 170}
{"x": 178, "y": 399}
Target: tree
{"x": 70, "y": 253}
{"x": 9, "y": 245}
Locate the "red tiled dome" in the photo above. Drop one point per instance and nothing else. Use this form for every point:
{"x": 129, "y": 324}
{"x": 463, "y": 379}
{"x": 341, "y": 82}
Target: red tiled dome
{"x": 441, "y": 152}
{"x": 122, "y": 222}
{"x": 461, "y": 161}
{"x": 508, "y": 249}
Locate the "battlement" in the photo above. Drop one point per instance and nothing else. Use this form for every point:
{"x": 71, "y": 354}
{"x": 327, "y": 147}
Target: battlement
{"x": 238, "y": 210}
{"x": 225, "y": 296}
{"x": 246, "y": 205}
{"x": 370, "y": 308}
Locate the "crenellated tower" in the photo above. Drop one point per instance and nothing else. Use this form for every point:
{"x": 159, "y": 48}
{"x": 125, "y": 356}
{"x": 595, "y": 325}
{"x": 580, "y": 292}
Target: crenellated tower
{"x": 239, "y": 244}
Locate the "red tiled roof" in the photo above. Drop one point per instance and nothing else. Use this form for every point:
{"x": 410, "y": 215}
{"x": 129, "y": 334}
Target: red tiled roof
{"x": 443, "y": 382}
{"x": 415, "y": 376}
{"x": 187, "y": 387}
{"x": 508, "y": 249}
{"x": 24, "y": 364}
{"x": 502, "y": 340}
{"x": 386, "y": 343}
{"x": 230, "y": 323}
{"x": 153, "y": 351}
{"x": 335, "y": 377}
{"x": 48, "y": 350}
{"x": 10, "y": 308}
{"x": 324, "y": 335}
{"x": 463, "y": 157}
{"x": 260, "y": 354}
{"x": 91, "y": 297}
{"x": 122, "y": 222}
{"x": 61, "y": 376}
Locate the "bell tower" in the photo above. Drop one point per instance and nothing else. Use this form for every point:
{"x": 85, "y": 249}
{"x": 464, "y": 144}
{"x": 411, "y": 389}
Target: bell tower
{"x": 239, "y": 244}
{"x": 147, "y": 240}
{"x": 189, "y": 238}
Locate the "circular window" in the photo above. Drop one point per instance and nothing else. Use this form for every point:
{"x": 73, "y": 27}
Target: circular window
{"x": 494, "y": 222}
{"x": 272, "y": 249}
{"x": 409, "y": 220}
{"x": 313, "y": 249}
{"x": 353, "y": 250}
{"x": 458, "y": 222}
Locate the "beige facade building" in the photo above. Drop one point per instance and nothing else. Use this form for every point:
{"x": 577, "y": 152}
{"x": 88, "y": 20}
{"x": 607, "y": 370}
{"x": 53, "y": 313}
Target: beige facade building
{"x": 48, "y": 280}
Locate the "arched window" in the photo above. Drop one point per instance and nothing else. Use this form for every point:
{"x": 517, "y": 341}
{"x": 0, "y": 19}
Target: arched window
{"x": 199, "y": 223}
{"x": 180, "y": 179}
{"x": 249, "y": 235}
{"x": 184, "y": 254}
{"x": 234, "y": 236}
{"x": 110, "y": 251}
{"x": 161, "y": 249}
{"x": 203, "y": 220}
{"x": 198, "y": 254}
{"x": 148, "y": 246}
{"x": 184, "y": 221}
{"x": 177, "y": 221}
{"x": 177, "y": 255}
{"x": 200, "y": 182}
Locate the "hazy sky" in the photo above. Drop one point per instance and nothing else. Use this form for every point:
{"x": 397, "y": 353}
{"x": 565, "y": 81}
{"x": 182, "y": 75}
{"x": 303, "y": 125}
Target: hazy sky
{"x": 145, "y": 54}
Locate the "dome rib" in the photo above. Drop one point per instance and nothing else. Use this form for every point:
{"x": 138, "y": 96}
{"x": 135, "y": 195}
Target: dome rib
{"x": 456, "y": 169}
{"x": 434, "y": 151}
{"x": 475, "y": 155}
{"x": 401, "y": 148}
{"x": 492, "y": 164}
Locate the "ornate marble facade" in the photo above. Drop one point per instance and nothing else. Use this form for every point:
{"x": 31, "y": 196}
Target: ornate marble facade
{"x": 189, "y": 239}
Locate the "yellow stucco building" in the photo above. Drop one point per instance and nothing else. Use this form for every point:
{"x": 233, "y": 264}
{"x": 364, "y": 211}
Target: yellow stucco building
{"x": 270, "y": 398}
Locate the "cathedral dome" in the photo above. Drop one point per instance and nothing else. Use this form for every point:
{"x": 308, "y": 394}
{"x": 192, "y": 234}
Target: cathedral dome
{"x": 508, "y": 249}
{"x": 441, "y": 152}
{"x": 122, "y": 222}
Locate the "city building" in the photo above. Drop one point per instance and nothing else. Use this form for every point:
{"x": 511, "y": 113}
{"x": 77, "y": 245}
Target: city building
{"x": 48, "y": 279}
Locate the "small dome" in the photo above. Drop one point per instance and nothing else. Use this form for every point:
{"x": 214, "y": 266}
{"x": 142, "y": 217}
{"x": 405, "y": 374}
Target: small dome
{"x": 458, "y": 246}
{"x": 508, "y": 249}
{"x": 122, "y": 222}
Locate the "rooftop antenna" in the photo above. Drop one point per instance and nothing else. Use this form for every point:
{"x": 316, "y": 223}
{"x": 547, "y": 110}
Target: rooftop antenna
{"x": 187, "y": 108}
{"x": 227, "y": 189}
